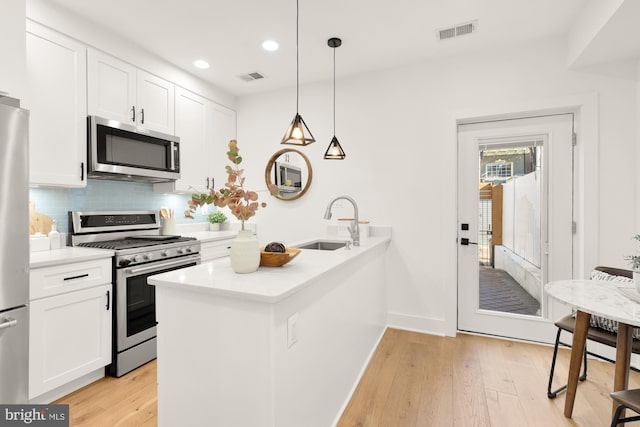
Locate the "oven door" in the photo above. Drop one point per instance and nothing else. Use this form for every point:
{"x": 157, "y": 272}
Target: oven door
{"x": 136, "y": 300}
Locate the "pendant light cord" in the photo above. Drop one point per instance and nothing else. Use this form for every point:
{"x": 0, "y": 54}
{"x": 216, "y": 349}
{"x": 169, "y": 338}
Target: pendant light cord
{"x": 334, "y": 91}
{"x": 297, "y": 56}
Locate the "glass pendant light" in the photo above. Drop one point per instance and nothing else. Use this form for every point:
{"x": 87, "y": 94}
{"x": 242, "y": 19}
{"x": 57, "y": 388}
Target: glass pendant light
{"x": 298, "y": 133}
{"x": 334, "y": 151}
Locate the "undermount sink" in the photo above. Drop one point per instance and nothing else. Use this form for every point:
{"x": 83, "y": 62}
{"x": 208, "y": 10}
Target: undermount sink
{"x": 323, "y": 245}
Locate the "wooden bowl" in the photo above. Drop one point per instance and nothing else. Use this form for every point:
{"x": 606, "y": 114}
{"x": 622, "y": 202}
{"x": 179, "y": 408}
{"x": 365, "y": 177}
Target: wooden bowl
{"x": 277, "y": 259}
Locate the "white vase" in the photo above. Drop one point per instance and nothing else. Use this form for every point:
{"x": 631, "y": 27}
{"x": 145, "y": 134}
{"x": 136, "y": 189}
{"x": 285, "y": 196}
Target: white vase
{"x": 636, "y": 278}
{"x": 215, "y": 226}
{"x": 245, "y": 252}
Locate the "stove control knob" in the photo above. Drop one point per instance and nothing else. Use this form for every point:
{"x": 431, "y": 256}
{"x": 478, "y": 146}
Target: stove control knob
{"x": 137, "y": 258}
{"x": 180, "y": 251}
{"x": 147, "y": 257}
{"x": 164, "y": 253}
{"x": 189, "y": 249}
{"x": 124, "y": 262}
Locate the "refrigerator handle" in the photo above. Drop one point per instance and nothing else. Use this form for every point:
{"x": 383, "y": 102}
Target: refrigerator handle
{"x": 8, "y": 322}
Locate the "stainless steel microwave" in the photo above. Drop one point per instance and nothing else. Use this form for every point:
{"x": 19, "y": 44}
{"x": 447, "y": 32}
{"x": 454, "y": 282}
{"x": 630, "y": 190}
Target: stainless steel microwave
{"x": 123, "y": 152}
{"x": 288, "y": 177}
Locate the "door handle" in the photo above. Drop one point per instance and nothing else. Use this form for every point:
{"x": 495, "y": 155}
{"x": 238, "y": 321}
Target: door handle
{"x": 142, "y": 116}
{"x": 465, "y": 242}
{"x": 133, "y": 114}
{"x": 108, "y": 305}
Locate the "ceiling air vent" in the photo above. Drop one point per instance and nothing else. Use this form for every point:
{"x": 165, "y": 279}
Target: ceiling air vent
{"x": 251, "y": 76}
{"x": 458, "y": 30}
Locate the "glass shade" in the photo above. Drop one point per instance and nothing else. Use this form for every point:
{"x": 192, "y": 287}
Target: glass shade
{"x": 334, "y": 151}
{"x": 298, "y": 133}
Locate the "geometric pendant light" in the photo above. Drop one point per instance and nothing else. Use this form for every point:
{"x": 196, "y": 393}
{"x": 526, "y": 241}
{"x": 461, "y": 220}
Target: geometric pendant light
{"x": 298, "y": 133}
{"x": 334, "y": 151}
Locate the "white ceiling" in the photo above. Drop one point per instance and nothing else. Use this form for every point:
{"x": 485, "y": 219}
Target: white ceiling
{"x": 376, "y": 34}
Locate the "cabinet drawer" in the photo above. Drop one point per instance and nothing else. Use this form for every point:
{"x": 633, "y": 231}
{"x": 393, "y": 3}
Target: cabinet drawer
{"x": 49, "y": 281}
{"x": 213, "y": 250}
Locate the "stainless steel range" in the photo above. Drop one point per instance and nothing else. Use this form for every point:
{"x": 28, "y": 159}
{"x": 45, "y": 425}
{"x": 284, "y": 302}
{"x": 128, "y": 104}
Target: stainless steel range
{"x": 140, "y": 251}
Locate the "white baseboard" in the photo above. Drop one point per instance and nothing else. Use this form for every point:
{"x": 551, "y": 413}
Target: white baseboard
{"x": 426, "y": 325}
{"x": 357, "y": 381}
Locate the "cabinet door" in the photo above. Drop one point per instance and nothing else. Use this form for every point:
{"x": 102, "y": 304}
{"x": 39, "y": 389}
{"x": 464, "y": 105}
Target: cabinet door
{"x": 69, "y": 336}
{"x": 214, "y": 250}
{"x": 223, "y": 129}
{"x": 155, "y": 103}
{"x": 191, "y": 127}
{"x": 56, "y": 96}
{"x": 12, "y": 46}
{"x": 112, "y": 88}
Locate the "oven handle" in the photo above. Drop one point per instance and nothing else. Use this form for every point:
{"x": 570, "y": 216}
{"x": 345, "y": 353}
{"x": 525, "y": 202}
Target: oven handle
{"x": 163, "y": 265}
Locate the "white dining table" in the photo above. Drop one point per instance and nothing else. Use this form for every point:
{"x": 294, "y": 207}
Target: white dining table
{"x": 613, "y": 300}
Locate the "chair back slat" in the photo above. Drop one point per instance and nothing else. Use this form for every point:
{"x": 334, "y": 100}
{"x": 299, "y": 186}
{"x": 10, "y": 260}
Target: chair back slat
{"x": 616, "y": 271}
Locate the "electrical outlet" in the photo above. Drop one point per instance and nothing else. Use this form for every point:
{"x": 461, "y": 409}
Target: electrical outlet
{"x": 292, "y": 329}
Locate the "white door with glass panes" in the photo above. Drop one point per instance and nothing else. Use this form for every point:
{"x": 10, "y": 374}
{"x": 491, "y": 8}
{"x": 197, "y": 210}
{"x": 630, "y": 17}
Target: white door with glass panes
{"x": 515, "y": 180}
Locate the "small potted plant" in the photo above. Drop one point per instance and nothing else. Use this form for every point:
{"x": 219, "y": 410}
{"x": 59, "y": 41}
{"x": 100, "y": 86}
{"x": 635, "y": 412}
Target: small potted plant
{"x": 215, "y": 220}
{"x": 634, "y": 260}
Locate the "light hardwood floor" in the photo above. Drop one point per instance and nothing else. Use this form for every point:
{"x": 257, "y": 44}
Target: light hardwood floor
{"x": 412, "y": 380}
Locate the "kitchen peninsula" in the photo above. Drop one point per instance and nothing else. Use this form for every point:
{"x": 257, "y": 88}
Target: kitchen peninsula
{"x": 282, "y": 347}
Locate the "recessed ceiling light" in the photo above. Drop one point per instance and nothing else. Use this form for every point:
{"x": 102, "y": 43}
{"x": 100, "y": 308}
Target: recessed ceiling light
{"x": 270, "y": 45}
{"x": 201, "y": 63}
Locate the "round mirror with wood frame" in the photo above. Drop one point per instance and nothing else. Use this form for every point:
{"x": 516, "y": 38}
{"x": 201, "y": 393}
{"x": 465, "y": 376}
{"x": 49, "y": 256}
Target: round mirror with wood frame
{"x": 290, "y": 173}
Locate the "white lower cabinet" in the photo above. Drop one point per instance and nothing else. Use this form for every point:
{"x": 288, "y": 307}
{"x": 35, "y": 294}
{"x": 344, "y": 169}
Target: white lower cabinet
{"x": 215, "y": 249}
{"x": 69, "y": 332}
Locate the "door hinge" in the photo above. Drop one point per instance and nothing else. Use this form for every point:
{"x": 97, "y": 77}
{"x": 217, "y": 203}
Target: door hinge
{"x": 574, "y": 139}
{"x": 574, "y": 227}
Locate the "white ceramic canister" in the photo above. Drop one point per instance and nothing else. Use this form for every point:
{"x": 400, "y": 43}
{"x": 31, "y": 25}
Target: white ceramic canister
{"x": 245, "y": 252}
{"x": 168, "y": 227}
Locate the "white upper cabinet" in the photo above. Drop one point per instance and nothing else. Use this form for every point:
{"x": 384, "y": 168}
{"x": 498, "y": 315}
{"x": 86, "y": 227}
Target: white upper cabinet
{"x": 223, "y": 122}
{"x": 155, "y": 103}
{"x": 121, "y": 92}
{"x": 193, "y": 128}
{"x": 12, "y": 46}
{"x": 56, "y": 96}
{"x": 205, "y": 129}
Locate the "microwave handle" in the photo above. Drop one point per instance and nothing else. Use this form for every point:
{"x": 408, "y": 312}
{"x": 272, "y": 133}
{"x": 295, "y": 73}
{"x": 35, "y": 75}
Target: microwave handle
{"x": 175, "y": 156}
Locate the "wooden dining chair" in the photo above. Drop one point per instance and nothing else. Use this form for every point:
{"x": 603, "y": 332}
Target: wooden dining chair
{"x": 595, "y": 333}
{"x": 628, "y": 399}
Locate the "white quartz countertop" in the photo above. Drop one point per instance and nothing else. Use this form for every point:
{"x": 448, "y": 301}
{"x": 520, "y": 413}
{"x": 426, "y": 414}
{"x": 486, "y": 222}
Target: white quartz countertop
{"x": 212, "y": 236}
{"x": 66, "y": 255}
{"x": 268, "y": 284}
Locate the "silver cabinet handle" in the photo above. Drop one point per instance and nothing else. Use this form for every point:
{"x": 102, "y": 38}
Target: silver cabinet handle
{"x": 8, "y": 322}
{"x": 142, "y": 116}
{"x": 133, "y": 114}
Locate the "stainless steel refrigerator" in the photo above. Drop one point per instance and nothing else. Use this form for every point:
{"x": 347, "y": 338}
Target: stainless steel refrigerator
{"x": 14, "y": 251}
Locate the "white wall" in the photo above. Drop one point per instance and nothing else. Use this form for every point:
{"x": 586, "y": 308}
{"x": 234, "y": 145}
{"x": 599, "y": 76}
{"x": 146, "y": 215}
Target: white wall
{"x": 401, "y": 159}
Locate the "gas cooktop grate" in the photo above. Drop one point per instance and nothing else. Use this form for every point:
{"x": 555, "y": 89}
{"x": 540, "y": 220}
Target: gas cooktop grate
{"x": 135, "y": 242}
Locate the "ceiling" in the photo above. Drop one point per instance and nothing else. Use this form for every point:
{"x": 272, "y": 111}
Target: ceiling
{"x": 376, "y": 34}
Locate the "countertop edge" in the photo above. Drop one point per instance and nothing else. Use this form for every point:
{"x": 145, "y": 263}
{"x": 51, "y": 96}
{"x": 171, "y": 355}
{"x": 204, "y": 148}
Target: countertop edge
{"x": 264, "y": 298}
{"x": 66, "y": 255}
